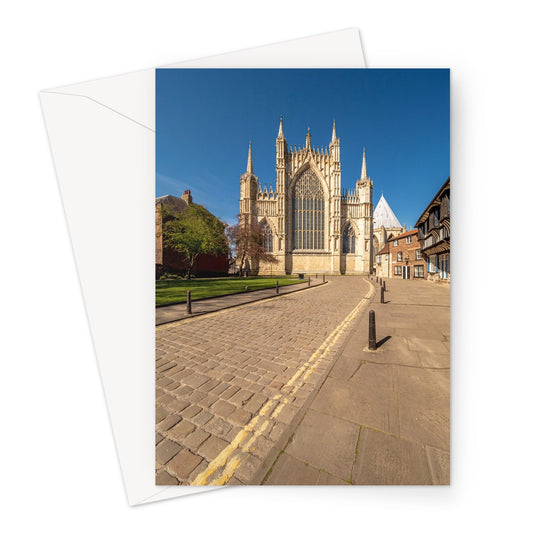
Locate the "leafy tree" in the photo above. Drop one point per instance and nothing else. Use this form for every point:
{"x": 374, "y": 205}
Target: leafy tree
{"x": 246, "y": 242}
{"x": 192, "y": 232}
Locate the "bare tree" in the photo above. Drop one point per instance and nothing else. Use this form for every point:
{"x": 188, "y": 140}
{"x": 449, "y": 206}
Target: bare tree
{"x": 247, "y": 242}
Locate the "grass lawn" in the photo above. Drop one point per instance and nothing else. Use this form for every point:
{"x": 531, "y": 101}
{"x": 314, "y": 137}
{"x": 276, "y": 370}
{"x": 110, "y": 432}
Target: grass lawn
{"x": 175, "y": 290}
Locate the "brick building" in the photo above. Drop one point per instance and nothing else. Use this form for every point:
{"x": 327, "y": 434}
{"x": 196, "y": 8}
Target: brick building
{"x": 171, "y": 261}
{"x": 401, "y": 257}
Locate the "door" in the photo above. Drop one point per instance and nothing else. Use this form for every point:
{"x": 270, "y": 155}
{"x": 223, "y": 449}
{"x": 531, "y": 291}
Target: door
{"x": 406, "y": 272}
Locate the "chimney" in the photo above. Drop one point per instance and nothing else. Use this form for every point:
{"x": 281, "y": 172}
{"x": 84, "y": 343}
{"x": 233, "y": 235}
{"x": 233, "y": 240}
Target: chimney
{"x": 187, "y": 196}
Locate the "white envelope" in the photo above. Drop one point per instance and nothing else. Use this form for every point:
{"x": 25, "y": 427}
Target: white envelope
{"x": 102, "y": 137}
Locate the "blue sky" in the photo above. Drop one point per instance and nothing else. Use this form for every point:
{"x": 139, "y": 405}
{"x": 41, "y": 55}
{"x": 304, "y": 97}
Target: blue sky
{"x": 205, "y": 118}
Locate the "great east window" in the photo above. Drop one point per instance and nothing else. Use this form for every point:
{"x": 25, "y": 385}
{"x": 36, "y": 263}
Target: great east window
{"x": 308, "y": 213}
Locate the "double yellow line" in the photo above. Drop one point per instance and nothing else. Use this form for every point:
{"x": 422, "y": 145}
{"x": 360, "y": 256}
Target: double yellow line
{"x": 222, "y": 468}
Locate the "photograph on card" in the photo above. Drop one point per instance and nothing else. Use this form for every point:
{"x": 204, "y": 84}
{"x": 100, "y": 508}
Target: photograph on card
{"x": 302, "y": 264}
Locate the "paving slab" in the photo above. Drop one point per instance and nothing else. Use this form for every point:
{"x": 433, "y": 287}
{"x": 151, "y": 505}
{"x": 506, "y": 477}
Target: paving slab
{"x": 363, "y": 404}
{"x": 384, "y": 459}
{"x": 439, "y": 463}
{"x": 399, "y": 396}
{"x": 332, "y": 450}
{"x": 292, "y": 471}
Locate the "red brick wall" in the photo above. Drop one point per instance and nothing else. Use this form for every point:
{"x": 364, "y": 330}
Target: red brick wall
{"x": 174, "y": 262}
{"x": 408, "y": 251}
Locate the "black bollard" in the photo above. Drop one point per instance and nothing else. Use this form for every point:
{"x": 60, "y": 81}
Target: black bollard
{"x": 309, "y": 282}
{"x": 371, "y": 330}
{"x": 382, "y": 295}
{"x": 316, "y": 275}
{"x": 277, "y": 287}
{"x": 384, "y": 286}
{"x": 323, "y": 278}
{"x": 189, "y": 310}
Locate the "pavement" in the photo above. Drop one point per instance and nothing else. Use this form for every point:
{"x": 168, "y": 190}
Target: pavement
{"x": 171, "y": 313}
{"x": 381, "y": 418}
{"x": 284, "y": 391}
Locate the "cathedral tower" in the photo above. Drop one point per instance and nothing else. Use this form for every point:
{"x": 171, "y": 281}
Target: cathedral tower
{"x": 248, "y": 190}
{"x": 364, "y": 193}
{"x": 281, "y": 188}
{"x": 309, "y": 224}
{"x": 335, "y": 187}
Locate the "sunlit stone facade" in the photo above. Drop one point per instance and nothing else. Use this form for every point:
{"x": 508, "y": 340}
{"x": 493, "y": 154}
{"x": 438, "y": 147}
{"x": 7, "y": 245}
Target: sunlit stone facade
{"x": 311, "y": 225}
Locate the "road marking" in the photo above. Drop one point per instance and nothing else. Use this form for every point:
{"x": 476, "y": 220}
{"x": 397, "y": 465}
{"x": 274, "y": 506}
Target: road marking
{"x": 223, "y": 467}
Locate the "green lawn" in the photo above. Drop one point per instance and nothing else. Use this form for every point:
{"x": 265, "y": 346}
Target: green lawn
{"x": 175, "y": 291}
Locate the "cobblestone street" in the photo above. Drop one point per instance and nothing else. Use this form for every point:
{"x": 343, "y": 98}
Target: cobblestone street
{"x": 229, "y": 385}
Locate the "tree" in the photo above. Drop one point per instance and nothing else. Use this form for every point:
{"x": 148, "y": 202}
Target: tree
{"x": 246, "y": 242}
{"x": 192, "y": 232}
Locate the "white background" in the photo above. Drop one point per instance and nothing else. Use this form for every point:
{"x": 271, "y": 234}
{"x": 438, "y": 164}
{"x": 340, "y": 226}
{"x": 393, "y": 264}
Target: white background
{"x": 59, "y": 468}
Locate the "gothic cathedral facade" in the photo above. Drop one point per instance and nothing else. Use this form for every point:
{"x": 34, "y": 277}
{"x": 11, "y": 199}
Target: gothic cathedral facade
{"x": 309, "y": 224}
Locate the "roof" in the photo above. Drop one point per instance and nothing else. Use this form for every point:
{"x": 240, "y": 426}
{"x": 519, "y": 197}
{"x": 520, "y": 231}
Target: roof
{"x": 176, "y": 204}
{"x": 384, "y": 215}
{"x": 402, "y": 235}
{"x": 386, "y": 247}
{"x": 434, "y": 202}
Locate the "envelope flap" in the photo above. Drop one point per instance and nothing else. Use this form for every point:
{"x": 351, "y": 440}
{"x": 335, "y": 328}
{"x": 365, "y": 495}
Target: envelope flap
{"x": 126, "y": 94}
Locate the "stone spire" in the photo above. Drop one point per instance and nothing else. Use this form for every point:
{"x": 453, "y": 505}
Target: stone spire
{"x": 363, "y": 167}
{"x": 280, "y": 132}
{"x": 308, "y": 139}
{"x": 334, "y": 133}
{"x": 250, "y": 167}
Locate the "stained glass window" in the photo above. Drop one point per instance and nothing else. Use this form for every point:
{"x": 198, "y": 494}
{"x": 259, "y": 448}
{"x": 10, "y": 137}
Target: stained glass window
{"x": 348, "y": 240}
{"x": 308, "y": 213}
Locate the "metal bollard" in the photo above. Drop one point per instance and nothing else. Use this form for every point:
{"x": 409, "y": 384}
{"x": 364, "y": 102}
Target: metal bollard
{"x": 316, "y": 275}
{"x": 323, "y": 278}
{"x": 189, "y": 310}
{"x": 382, "y": 295}
{"x": 309, "y": 282}
{"x": 371, "y": 330}
{"x": 277, "y": 287}
{"x": 384, "y": 286}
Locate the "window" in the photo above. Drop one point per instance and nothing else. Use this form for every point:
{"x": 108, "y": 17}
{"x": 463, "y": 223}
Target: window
{"x": 308, "y": 213}
{"x": 419, "y": 254}
{"x": 419, "y": 271}
{"x": 409, "y": 239}
{"x": 378, "y": 259}
{"x": 267, "y": 238}
{"x": 395, "y": 243}
{"x": 348, "y": 240}
{"x": 399, "y": 256}
{"x": 397, "y": 271}
{"x": 433, "y": 263}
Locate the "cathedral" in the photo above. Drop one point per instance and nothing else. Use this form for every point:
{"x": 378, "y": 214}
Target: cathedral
{"x": 310, "y": 224}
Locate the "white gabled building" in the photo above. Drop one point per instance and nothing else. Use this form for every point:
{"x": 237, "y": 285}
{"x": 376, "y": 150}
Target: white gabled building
{"x": 386, "y": 225}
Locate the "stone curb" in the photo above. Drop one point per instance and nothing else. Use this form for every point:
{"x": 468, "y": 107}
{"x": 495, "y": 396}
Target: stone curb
{"x": 267, "y": 297}
{"x": 262, "y": 474}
